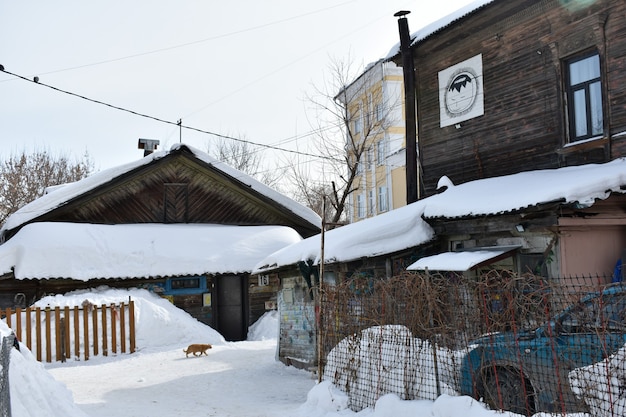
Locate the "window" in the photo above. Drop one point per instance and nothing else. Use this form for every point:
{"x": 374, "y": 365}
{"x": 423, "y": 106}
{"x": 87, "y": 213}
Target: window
{"x": 382, "y": 199}
{"x": 358, "y": 121}
{"x": 360, "y": 206}
{"x": 370, "y": 158}
{"x": 359, "y": 166}
{"x": 370, "y": 201}
{"x": 380, "y": 152}
{"x": 379, "y": 112}
{"x": 584, "y": 94}
{"x": 183, "y": 283}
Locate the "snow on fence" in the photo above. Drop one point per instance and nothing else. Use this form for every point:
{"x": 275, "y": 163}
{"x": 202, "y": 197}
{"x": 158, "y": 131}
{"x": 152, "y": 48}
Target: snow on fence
{"x": 517, "y": 342}
{"x": 60, "y": 332}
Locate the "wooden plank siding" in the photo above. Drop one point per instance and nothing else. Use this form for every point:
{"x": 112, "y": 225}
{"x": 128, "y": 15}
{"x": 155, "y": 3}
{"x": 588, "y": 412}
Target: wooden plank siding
{"x": 523, "y": 44}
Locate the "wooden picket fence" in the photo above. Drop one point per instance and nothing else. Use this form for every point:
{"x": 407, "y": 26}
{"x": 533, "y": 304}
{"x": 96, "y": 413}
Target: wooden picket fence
{"x": 87, "y": 330}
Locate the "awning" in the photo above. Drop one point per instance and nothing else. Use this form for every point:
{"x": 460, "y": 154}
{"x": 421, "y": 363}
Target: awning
{"x": 463, "y": 260}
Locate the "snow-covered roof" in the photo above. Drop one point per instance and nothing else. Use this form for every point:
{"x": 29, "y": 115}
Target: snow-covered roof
{"x": 405, "y": 227}
{"x": 56, "y": 197}
{"x": 461, "y": 260}
{"x": 88, "y": 251}
{"x": 386, "y": 233}
{"x": 582, "y": 184}
{"x": 439, "y": 25}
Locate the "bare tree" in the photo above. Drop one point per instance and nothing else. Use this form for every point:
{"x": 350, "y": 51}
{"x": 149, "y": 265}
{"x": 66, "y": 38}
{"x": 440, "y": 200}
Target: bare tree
{"x": 241, "y": 155}
{"x": 25, "y": 177}
{"x": 350, "y": 113}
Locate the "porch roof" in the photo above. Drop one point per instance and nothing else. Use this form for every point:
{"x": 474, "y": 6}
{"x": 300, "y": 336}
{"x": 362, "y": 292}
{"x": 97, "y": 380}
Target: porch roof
{"x": 462, "y": 260}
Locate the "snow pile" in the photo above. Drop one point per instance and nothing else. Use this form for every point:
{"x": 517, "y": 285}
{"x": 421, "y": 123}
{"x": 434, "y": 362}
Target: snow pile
{"x": 325, "y": 400}
{"x": 265, "y": 328}
{"x": 158, "y": 322}
{"x": 34, "y": 392}
{"x": 370, "y": 364}
{"x": 602, "y": 385}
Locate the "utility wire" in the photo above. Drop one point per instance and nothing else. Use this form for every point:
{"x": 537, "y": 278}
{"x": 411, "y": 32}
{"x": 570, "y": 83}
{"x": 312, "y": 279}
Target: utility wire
{"x": 182, "y": 45}
{"x": 174, "y": 123}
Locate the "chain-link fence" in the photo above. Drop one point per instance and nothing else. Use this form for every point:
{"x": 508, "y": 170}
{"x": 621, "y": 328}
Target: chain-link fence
{"x": 5, "y": 356}
{"x": 520, "y": 343}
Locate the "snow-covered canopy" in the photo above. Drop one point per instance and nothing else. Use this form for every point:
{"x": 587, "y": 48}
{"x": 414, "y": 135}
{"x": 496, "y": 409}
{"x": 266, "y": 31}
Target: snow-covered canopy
{"x": 88, "y": 251}
{"x": 58, "y": 196}
{"x": 405, "y": 227}
{"x": 582, "y": 184}
{"x": 438, "y": 25}
{"x": 459, "y": 261}
{"x": 386, "y": 233}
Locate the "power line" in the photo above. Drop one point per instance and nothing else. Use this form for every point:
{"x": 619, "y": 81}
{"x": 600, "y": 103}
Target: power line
{"x": 158, "y": 119}
{"x": 183, "y": 45}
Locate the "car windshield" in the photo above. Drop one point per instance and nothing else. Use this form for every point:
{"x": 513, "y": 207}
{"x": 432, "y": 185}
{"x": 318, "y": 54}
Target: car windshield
{"x": 606, "y": 313}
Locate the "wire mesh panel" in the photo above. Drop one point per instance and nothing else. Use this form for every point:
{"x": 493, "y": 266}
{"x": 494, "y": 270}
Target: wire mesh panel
{"x": 519, "y": 343}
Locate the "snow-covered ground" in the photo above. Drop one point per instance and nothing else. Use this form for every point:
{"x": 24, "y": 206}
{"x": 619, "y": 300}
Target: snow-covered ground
{"x": 236, "y": 379}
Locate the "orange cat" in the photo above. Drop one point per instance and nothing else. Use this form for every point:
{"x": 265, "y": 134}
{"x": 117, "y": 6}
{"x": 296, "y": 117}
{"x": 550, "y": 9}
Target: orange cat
{"x": 197, "y": 349}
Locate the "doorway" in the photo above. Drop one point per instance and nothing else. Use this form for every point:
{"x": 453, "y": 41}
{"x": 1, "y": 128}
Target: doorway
{"x": 231, "y": 307}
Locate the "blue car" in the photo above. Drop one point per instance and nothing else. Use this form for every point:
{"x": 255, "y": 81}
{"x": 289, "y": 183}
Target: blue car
{"x": 527, "y": 371}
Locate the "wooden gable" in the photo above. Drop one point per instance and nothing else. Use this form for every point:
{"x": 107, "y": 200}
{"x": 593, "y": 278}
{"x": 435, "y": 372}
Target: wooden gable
{"x": 178, "y": 188}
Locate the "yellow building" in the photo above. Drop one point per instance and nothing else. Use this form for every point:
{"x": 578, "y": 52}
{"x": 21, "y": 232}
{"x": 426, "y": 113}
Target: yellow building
{"x": 375, "y": 141}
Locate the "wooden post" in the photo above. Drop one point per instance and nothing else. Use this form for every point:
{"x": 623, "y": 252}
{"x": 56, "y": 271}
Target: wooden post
{"x": 94, "y": 320}
{"x": 48, "y": 335}
{"x": 38, "y": 332}
{"x": 86, "y": 332}
{"x": 122, "y": 328}
{"x": 76, "y": 333}
{"x": 113, "y": 329}
{"x": 131, "y": 313}
{"x": 105, "y": 348}
{"x": 62, "y": 335}
{"x": 68, "y": 349}
{"x": 29, "y": 336}
{"x": 59, "y": 335}
{"x": 18, "y": 323}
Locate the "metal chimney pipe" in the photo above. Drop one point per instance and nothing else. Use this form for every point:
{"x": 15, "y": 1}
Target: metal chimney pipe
{"x": 408, "y": 70}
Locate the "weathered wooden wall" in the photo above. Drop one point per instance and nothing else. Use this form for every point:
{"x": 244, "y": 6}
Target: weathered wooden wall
{"x": 523, "y": 44}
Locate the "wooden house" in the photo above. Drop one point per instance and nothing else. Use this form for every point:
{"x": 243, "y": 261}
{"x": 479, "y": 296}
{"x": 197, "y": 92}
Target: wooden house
{"x": 512, "y": 86}
{"x": 505, "y": 86}
{"x": 191, "y": 227}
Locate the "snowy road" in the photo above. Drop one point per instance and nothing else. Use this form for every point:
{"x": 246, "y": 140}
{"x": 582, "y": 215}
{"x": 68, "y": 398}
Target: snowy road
{"x": 235, "y": 380}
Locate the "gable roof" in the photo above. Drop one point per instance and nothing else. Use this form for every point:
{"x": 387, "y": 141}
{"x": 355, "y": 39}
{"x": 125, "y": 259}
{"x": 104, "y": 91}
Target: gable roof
{"x": 61, "y": 203}
{"x": 83, "y": 251}
{"x": 439, "y": 25}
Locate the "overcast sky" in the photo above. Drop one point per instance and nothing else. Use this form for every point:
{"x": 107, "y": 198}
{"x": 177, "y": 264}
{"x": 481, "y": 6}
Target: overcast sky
{"x": 236, "y": 68}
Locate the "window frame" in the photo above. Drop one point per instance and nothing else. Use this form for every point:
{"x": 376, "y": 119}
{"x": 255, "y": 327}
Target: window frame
{"x": 586, "y": 86}
{"x": 381, "y": 152}
{"x": 383, "y": 198}
{"x": 360, "y": 206}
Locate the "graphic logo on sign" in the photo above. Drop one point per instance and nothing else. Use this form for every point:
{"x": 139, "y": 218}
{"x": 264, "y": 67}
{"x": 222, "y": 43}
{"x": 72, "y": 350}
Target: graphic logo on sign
{"x": 461, "y": 92}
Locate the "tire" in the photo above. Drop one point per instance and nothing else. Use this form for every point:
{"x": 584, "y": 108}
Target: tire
{"x": 507, "y": 389}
